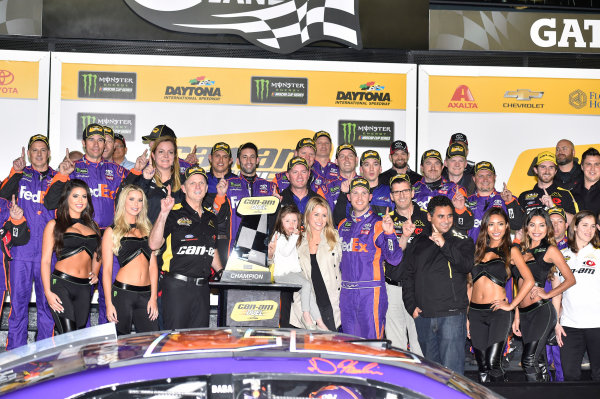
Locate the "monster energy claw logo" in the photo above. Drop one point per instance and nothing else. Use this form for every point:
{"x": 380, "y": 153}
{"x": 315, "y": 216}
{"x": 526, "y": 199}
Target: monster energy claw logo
{"x": 262, "y": 89}
{"x": 349, "y": 132}
{"x": 87, "y": 119}
{"x": 89, "y": 83}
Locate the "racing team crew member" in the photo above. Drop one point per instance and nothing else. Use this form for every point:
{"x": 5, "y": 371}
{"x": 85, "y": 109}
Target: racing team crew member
{"x": 461, "y": 138}
{"x": 409, "y": 221}
{"x": 220, "y": 165}
{"x": 120, "y": 151}
{"x": 306, "y": 149}
{"x": 455, "y": 167}
{"x": 28, "y": 183}
{"x": 347, "y": 160}
{"x": 164, "y": 130}
{"x": 587, "y": 189}
{"x": 399, "y": 156}
{"x": 323, "y": 165}
{"x": 189, "y": 232}
{"x": 298, "y": 192}
{"x": 546, "y": 194}
{"x": 367, "y": 241}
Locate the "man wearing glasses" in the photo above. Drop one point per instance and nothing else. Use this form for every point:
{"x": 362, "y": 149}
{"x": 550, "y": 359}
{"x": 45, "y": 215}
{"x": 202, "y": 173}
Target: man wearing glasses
{"x": 409, "y": 221}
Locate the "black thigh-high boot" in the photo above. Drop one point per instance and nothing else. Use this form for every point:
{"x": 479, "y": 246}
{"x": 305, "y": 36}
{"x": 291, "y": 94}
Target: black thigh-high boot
{"x": 530, "y": 363}
{"x": 483, "y": 370}
{"x": 543, "y": 366}
{"x": 493, "y": 361}
{"x": 65, "y": 325}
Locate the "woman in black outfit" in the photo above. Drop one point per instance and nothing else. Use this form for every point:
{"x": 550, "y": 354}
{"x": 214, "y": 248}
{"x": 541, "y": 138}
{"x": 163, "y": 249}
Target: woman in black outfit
{"x": 75, "y": 238}
{"x": 490, "y": 315}
{"x": 536, "y": 316}
{"x": 133, "y": 297}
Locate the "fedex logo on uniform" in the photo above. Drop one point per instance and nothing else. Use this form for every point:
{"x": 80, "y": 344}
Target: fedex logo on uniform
{"x": 354, "y": 246}
{"x": 27, "y": 195}
{"x": 102, "y": 191}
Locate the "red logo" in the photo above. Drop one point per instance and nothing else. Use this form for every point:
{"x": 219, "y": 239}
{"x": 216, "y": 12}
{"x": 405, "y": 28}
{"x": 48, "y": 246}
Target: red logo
{"x": 6, "y": 77}
{"x": 590, "y": 263}
{"x": 462, "y": 98}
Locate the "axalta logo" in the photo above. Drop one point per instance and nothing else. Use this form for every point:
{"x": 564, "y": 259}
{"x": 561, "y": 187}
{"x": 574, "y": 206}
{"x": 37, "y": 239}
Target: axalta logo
{"x": 199, "y": 89}
{"x": 27, "y": 195}
{"x": 462, "y": 98}
{"x": 523, "y": 98}
{"x": 371, "y": 94}
{"x": 7, "y": 78}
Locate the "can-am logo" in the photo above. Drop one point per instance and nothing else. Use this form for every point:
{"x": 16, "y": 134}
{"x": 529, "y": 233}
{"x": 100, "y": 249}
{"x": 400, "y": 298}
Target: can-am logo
{"x": 366, "y": 133}
{"x": 123, "y": 124}
{"x": 462, "y": 98}
{"x": 277, "y": 90}
{"x": 282, "y": 26}
{"x": 199, "y": 89}
{"x": 370, "y": 93}
{"x": 119, "y": 85}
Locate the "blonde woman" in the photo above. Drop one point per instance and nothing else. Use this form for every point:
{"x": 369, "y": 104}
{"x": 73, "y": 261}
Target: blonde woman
{"x": 320, "y": 254}
{"x": 133, "y": 297}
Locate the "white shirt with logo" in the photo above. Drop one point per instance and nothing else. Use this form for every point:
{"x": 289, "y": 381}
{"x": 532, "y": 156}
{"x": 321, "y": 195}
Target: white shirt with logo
{"x": 581, "y": 302}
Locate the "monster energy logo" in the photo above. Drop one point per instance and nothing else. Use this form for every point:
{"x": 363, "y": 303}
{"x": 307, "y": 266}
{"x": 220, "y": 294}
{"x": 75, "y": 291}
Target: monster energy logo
{"x": 349, "y": 130}
{"x": 87, "y": 119}
{"x": 89, "y": 83}
{"x": 262, "y": 89}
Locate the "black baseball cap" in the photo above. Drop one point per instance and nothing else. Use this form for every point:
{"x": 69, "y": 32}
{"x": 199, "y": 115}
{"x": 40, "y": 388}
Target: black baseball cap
{"x": 159, "y": 131}
{"x": 484, "y": 165}
{"x": 109, "y": 132}
{"x": 459, "y": 137}
{"x": 119, "y": 136}
{"x": 359, "y": 181}
{"x": 221, "y": 146}
{"x": 93, "y": 129}
{"x": 247, "y": 145}
{"x": 456, "y": 149}
{"x": 38, "y": 137}
{"x": 297, "y": 161}
{"x": 322, "y": 133}
{"x": 195, "y": 170}
{"x": 398, "y": 145}
{"x": 431, "y": 154}
{"x": 400, "y": 178}
{"x": 306, "y": 142}
{"x": 345, "y": 147}
{"x": 369, "y": 154}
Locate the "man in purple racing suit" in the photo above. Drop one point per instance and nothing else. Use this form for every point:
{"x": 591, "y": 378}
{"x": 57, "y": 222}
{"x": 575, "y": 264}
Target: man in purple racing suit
{"x": 367, "y": 241}
{"x": 323, "y": 165}
{"x": 28, "y": 184}
{"x": 432, "y": 183}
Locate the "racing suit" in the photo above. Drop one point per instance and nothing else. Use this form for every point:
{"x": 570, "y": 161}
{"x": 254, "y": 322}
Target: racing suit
{"x": 213, "y": 180}
{"x": 479, "y": 204}
{"x": 28, "y": 187}
{"x": 317, "y": 183}
{"x": 425, "y": 191}
{"x": 363, "y": 298}
{"x": 379, "y": 203}
{"x": 329, "y": 171}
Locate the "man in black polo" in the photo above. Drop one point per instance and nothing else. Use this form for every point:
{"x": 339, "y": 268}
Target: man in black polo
{"x": 189, "y": 232}
{"x": 399, "y": 156}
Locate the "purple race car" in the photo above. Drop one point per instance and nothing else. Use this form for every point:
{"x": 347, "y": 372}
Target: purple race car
{"x": 239, "y": 363}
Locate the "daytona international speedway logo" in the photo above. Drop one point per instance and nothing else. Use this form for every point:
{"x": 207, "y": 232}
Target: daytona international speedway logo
{"x": 282, "y": 26}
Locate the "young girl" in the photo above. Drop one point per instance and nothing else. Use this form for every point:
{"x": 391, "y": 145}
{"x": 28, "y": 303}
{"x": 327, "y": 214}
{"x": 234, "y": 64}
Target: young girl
{"x": 283, "y": 251}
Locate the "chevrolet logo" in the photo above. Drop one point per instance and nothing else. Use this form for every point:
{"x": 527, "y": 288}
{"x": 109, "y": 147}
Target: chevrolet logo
{"x": 523, "y": 94}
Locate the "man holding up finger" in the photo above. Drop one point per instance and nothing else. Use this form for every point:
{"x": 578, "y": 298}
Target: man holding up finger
{"x": 434, "y": 285}
{"x": 367, "y": 240}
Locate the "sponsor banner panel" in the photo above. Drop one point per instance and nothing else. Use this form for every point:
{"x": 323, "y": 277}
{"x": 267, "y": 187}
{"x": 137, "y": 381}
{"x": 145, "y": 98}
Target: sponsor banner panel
{"x": 19, "y": 79}
{"x": 499, "y": 131}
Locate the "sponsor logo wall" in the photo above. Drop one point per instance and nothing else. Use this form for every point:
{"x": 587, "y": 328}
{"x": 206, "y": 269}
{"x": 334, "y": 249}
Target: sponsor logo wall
{"x": 206, "y": 100}
{"x": 508, "y": 114}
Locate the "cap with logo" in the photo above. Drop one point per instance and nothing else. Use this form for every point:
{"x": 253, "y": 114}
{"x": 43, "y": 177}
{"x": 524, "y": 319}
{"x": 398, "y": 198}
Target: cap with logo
{"x": 399, "y": 179}
{"x": 306, "y": 142}
{"x": 398, "y": 145}
{"x": 359, "y": 181}
{"x": 456, "y": 149}
{"x": 38, "y": 137}
{"x": 484, "y": 165}
{"x": 119, "y": 136}
{"x": 431, "y": 154}
{"x": 459, "y": 137}
{"x": 557, "y": 211}
{"x": 195, "y": 170}
{"x": 109, "y": 132}
{"x": 247, "y": 145}
{"x": 93, "y": 129}
{"x": 221, "y": 146}
{"x": 370, "y": 154}
{"x": 545, "y": 156}
{"x": 159, "y": 131}
{"x": 321, "y": 133}
{"x": 297, "y": 161}
{"x": 345, "y": 147}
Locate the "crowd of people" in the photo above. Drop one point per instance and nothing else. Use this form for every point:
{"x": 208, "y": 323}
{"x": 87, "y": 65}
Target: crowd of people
{"x": 425, "y": 261}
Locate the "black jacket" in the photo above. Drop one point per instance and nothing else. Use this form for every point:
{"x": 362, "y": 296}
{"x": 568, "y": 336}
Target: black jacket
{"x": 588, "y": 200}
{"x": 435, "y": 278}
{"x": 385, "y": 177}
{"x": 567, "y": 180}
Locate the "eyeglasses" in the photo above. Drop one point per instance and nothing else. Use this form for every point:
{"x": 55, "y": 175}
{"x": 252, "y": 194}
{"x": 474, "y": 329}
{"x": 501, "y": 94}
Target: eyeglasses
{"x": 402, "y": 192}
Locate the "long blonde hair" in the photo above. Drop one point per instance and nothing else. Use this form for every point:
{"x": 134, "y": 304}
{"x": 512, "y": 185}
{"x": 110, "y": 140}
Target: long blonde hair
{"x": 175, "y": 175}
{"x": 121, "y": 227}
{"x": 329, "y": 230}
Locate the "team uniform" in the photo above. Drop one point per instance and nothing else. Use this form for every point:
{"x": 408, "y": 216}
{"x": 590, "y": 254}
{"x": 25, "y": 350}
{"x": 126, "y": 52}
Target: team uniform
{"x": 385, "y": 177}
{"x": 190, "y": 240}
{"x": 318, "y": 183}
{"x": 425, "y": 191}
{"x": 29, "y": 187}
{"x": 532, "y": 199}
{"x": 213, "y": 180}
{"x": 363, "y": 298}
{"x": 329, "y": 171}
{"x": 380, "y": 202}
{"x": 480, "y": 204}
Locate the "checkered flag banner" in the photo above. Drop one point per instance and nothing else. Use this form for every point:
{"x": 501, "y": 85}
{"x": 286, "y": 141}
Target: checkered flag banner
{"x": 281, "y": 26}
{"x": 252, "y": 240}
{"x": 21, "y": 17}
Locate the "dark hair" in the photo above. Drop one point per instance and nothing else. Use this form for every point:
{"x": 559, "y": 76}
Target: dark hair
{"x": 526, "y": 243}
{"x": 247, "y": 145}
{"x": 590, "y": 152}
{"x": 439, "y": 201}
{"x": 285, "y": 210}
{"x": 483, "y": 239}
{"x": 572, "y": 240}
{"x": 64, "y": 220}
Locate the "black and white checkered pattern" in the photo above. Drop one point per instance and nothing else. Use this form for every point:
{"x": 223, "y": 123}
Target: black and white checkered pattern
{"x": 252, "y": 240}
{"x": 21, "y": 17}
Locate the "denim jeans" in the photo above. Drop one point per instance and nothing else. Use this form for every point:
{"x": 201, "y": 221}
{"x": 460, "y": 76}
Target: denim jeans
{"x": 442, "y": 340}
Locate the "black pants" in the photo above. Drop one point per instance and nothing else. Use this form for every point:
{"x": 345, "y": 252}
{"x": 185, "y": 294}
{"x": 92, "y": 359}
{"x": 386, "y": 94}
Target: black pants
{"x": 537, "y": 321}
{"x": 489, "y": 330}
{"x": 184, "y": 305}
{"x": 74, "y": 294}
{"x": 577, "y": 341}
{"x": 131, "y": 306}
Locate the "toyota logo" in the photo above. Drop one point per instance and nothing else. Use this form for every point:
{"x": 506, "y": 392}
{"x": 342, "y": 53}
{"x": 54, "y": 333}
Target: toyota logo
{"x": 6, "y": 77}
